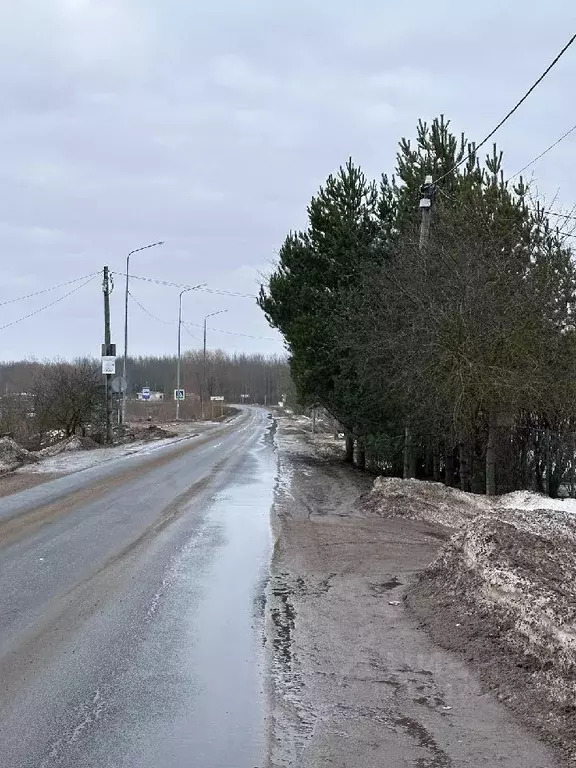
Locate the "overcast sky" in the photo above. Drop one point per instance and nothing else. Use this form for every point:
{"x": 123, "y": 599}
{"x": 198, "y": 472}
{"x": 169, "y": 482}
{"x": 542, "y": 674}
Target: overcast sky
{"x": 130, "y": 121}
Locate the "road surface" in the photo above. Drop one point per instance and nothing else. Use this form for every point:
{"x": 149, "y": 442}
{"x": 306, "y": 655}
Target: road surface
{"x": 131, "y": 608}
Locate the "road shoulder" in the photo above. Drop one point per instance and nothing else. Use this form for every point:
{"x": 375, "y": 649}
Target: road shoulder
{"x": 355, "y": 681}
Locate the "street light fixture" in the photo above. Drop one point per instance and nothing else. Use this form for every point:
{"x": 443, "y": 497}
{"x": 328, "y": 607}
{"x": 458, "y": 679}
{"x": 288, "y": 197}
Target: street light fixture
{"x": 189, "y": 288}
{"x": 203, "y": 395}
{"x": 124, "y": 366}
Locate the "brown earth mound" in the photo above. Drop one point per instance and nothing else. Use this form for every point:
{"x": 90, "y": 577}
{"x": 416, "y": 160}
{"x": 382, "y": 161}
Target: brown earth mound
{"x": 503, "y": 592}
{"x": 152, "y": 432}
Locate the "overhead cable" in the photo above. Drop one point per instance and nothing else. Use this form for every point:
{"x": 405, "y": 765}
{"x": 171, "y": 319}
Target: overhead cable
{"x": 46, "y": 306}
{"x": 511, "y": 112}
{"x": 47, "y": 290}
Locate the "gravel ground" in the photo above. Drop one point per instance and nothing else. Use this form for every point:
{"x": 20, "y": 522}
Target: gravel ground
{"x": 355, "y": 681}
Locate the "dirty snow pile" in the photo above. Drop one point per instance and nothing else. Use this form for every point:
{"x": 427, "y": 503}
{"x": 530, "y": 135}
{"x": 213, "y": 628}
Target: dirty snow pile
{"x": 421, "y": 500}
{"x": 13, "y": 455}
{"x": 503, "y": 590}
{"x": 74, "y": 443}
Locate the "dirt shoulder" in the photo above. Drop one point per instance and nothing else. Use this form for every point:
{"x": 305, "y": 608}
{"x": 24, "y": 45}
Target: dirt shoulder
{"x": 355, "y": 680}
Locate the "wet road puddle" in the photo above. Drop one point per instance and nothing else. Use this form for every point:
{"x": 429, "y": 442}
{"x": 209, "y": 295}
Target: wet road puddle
{"x": 203, "y": 703}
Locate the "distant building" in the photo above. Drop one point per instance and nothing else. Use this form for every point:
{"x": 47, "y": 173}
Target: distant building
{"x": 150, "y": 395}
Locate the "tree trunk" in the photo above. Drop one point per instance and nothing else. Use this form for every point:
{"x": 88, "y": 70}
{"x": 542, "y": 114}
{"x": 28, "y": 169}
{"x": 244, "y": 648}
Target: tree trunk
{"x": 408, "y": 458}
{"x": 349, "y": 457}
{"x": 449, "y": 459}
{"x": 360, "y": 454}
{"x": 548, "y": 459}
{"x": 436, "y": 462}
{"x": 572, "y": 473}
{"x": 491, "y": 457}
{"x": 524, "y": 473}
{"x": 538, "y": 471}
{"x": 465, "y": 467}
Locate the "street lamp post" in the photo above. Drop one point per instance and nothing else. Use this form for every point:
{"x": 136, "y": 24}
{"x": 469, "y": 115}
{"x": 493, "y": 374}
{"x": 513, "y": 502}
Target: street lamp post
{"x": 124, "y": 366}
{"x": 179, "y": 349}
{"x": 185, "y": 290}
{"x": 203, "y": 395}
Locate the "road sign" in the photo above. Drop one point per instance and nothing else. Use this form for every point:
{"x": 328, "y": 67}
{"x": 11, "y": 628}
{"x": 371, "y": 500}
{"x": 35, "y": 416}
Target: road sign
{"x": 145, "y": 393}
{"x": 118, "y": 385}
{"x": 217, "y": 399}
{"x": 108, "y": 365}
{"x": 179, "y": 394}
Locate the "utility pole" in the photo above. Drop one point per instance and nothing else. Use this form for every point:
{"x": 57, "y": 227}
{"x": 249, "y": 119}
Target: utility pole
{"x": 107, "y": 350}
{"x": 427, "y": 192}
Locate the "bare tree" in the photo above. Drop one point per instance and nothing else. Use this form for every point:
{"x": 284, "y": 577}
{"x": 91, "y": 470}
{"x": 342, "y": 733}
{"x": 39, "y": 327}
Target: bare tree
{"x": 69, "y": 397}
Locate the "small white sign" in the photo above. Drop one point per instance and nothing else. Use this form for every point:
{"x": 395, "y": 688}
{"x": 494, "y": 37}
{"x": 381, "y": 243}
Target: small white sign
{"x": 109, "y": 365}
{"x": 217, "y": 398}
{"x": 179, "y": 394}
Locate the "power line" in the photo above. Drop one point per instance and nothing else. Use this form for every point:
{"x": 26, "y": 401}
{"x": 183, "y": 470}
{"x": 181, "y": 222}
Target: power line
{"x": 47, "y": 290}
{"x": 47, "y": 306}
{"x": 204, "y": 287}
{"x": 196, "y": 325}
{"x": 568, "y": 132}
{"x": 230, "y": 333}
{"x": 560, "y": 215}
{"x": 189, "y": 332}
{"x": 143, "y": 308}
{"x": 511, "y": 112}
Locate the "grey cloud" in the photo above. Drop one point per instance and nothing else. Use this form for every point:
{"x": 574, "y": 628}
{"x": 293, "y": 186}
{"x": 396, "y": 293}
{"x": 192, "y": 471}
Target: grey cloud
{"x": 126, "y": 121}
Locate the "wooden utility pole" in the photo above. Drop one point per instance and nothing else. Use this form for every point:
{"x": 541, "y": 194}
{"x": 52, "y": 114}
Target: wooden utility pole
{"x": 427, "y": 195}
{"x": 107, "y": 350}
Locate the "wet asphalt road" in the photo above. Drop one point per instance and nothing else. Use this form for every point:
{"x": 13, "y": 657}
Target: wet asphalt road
{"x": 131, "y": 609}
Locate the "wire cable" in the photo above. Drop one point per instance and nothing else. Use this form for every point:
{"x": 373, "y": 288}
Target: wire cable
{"x": 511, "y": 112}
{"x": 203, "y": 287}
{"x": 46, "y": 306}
{"x": 47, "y": 290}
{"x": 143, "y": 308}
{"x": 231, "y": 333}
{"x": 189, "y": 332}
{"x": 561, "y": 215}
{"x": 568, "y": 132}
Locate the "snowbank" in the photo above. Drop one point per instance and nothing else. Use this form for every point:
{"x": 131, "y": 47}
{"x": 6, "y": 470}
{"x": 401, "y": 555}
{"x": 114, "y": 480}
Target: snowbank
{"x": 13, "y": 455}
{"x": 450, "y": 507}
{"x": 74, "y": 443}
{"x": 503, "y": 591}
{"x": 529, "y": 500}
{"x": 421, "y": 500}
